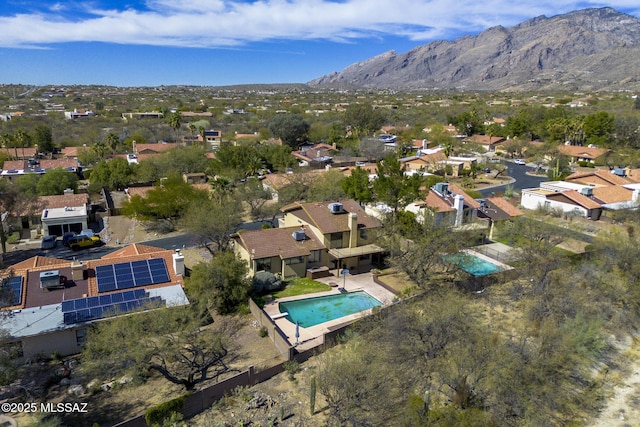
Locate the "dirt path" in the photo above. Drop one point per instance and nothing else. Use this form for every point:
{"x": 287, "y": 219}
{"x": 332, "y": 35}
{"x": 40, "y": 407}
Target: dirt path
{"x": 622, "y": 407}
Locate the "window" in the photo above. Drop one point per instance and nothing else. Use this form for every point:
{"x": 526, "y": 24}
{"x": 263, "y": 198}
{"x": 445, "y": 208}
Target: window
{"x": 263, "y": 264}
{"x": 294, "y": 260}
{"x": 314, "y": 256}
{"x": 366, "y": 257}
{"x": 336, "y": 240}
{"x": 81, "y": 337}
{"x": 363, "y": 233}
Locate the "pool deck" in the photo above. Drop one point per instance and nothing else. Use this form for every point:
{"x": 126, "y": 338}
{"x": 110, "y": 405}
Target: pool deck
{"x": 313, "y": 336}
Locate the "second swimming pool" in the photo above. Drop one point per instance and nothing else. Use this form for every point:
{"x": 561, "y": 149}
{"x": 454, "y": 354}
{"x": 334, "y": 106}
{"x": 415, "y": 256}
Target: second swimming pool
{"x": 473, "y": 265}
{"x": 313, "y": 311}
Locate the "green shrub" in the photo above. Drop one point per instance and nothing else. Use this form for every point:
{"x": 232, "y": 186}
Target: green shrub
{"x": 156, "y": 414}
{"x": 263, "y": 332}
{"x": 13, "y": 238}
{"x": 292, "y": 367}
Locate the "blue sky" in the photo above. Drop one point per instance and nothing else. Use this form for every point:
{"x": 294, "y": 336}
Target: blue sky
{"x": 226, "y": 42}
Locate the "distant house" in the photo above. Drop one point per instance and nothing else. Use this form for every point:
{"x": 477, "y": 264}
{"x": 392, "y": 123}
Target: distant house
{"x": 317, "y": 155}
{"x": 312, "y": 236}
{"x": 598, "y": 177}
{"x": 144, "y": 115}
{"x": 12, "y": 169}
{"x": 582, "y": 154}
{"x": 487, "y": 142}
{"x": 76, "y": 114}
{"x": 20, "y": 153}
{"x": 448, "y": 203}
{"x": 54, "y": 300}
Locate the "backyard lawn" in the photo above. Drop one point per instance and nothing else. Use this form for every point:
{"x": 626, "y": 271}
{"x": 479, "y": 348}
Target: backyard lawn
{"x": 301, "y": 286}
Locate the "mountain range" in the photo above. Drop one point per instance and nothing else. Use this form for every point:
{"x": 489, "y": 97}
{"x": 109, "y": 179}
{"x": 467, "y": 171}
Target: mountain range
{"x": 588, "y": 49}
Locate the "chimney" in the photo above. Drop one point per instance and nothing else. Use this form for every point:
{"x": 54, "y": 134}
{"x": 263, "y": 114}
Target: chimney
{"x": 458, "y": 205}
{"x": 178, "y": 263}
{"x": 353, "y": 229}
{"x": 77, "y": 270}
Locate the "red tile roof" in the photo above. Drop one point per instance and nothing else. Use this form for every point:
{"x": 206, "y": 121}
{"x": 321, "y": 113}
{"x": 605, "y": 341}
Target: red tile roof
{"x": 591, "y": 153}
{"x": 64, "y": 200}
{"x": 597, "y": 177}
{"x": 58, "y": 163}
{"x": 505, "y": 206}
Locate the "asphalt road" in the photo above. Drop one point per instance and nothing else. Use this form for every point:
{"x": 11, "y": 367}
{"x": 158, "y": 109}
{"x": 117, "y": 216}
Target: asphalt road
{"x": 522, "y": 180}
{"x": 178, "y": 241}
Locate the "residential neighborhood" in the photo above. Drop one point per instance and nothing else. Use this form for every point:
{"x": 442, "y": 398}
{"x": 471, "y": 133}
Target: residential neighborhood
{"x": 230, "y": 224}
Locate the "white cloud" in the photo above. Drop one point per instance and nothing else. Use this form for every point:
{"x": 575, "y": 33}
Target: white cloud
{"x": 218, "y": 23}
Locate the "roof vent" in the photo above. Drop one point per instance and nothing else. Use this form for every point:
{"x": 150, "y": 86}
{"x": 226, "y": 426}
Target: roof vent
{"x": 299, "y": 236}
{"x": 586, "y": 191}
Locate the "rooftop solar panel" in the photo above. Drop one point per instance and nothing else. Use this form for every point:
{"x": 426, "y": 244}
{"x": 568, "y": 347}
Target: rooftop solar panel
{"x": 91, "y": 308}
{"x": 128, "y": 275}
{"x": 13, "y": 285}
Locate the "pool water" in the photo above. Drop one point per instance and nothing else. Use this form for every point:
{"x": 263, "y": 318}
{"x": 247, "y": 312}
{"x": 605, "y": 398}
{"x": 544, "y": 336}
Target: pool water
{"x": 313, "y": 311}
{"x": 473, "y": 265}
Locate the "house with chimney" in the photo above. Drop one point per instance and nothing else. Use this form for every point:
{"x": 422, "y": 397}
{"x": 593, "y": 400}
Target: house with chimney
{"x": 313, "y": 238}
{"x": 449, "y": 204}
{"x": 52, "y": 301}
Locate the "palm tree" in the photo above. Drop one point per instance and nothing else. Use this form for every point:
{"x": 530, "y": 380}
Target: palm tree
{"x": 112, "y": 141}
{"x": 22, "y": 138}
{"x": 203, "y": 135}
{"x": 175, "y": 121}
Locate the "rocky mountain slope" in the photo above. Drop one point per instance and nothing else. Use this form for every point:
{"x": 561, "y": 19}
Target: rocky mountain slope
{"x": 588, "y": 49}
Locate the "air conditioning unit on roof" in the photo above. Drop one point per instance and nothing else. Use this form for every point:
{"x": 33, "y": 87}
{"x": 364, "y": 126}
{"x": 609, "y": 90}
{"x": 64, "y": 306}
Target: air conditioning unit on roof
{"x": 336, "y": 208}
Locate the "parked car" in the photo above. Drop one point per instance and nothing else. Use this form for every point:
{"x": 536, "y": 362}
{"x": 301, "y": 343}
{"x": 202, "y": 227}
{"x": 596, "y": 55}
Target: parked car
{"x": 361, "y": 164}
{"x": 66, "y": 237}
{"x": 487, "y": 170}
{"x": 81, "y": 242}
{"x": 520, "y": 162}
{"x": 48, "y": 242}
{"x": 87, "y": 232}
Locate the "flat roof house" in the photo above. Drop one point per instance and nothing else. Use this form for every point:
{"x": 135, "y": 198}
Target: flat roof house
{"x": 54, "y": 300}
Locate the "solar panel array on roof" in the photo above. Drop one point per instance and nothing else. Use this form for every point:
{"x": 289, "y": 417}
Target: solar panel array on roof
{"x": 131, "y": 274}
{"x": 13, "y": 285}
{"x": 92, "y": 308}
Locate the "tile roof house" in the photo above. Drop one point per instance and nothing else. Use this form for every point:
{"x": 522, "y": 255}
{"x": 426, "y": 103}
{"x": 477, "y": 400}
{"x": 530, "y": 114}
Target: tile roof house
{"x": 327, "y": 235}
{"x": 20, "y": 153}
{"x": 449, "y": 203}
{"x": 55, "y": 300}
{"x": 317, "y": 154}
{"x": 579, "y": 153}
{"x": 597, "y": 177}
{"x": 487, "y": 142}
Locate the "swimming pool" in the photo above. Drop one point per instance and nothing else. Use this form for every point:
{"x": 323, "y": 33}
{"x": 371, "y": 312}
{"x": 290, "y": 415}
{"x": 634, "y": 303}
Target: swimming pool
{"x": 473, "y": 264}
{"x": 313, "y": 311}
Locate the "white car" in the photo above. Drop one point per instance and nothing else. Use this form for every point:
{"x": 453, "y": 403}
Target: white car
{"x": 520, "y": 162}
